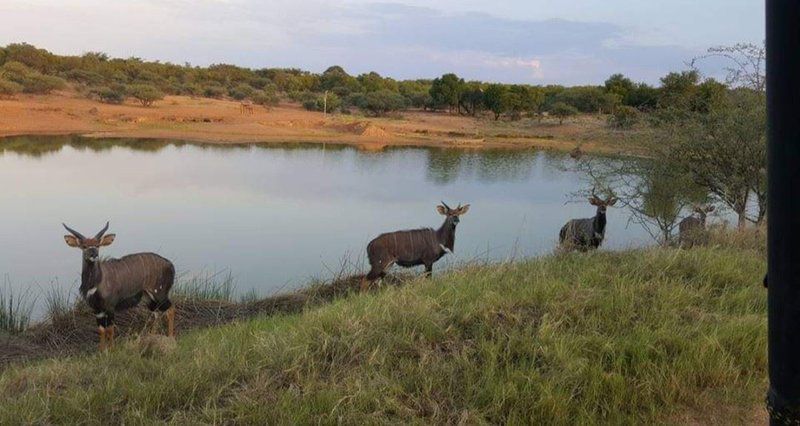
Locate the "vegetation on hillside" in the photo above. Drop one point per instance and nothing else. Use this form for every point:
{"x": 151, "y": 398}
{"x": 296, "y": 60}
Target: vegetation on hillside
{"x": 96, "y": 74}
{"x": 640, "y": 336}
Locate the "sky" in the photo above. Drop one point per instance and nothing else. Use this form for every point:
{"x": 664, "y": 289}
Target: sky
{"x": 510, "y": 41}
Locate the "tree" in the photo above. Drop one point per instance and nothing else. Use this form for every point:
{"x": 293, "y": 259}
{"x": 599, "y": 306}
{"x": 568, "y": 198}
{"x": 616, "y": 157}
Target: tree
{"x": 624, "y": 117}
{"x": 747, "y": 62}
{"x": 380, "y": 102}
{"x": 9, "y": 88}
{"x": 678, "y": 89}
{"x": 446, "y": 91}
{"x": 494, "y": 99}
{"x": 619, "y": 85}
{"x": 643, "y": 97}
{"x": 241, "y": 91}
{"x": 146, "y": 94}
{"x": 471, "y": 99}
{"x": 112, "y": 95}
{"x": 723, "y": 150}
{"x": 563, "y": 111}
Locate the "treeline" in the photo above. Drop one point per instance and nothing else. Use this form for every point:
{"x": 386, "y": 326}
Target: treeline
{"x": 25, "y": 68}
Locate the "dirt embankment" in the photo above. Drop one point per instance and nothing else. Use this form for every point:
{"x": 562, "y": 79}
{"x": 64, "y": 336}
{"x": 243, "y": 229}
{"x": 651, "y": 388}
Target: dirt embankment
{"x": 222, "y": 121}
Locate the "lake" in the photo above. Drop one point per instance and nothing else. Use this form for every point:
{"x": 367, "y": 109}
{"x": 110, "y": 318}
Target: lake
{"x": 273, "y": 216}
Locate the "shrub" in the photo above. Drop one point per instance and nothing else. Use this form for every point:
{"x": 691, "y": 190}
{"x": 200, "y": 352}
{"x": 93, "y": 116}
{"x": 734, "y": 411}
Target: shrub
{"x": 380, "y": 102}
{"x": 241, "y": 92}
{"x": 32, "y": 81}
{"x": 562, "y": 111}
{"x": 9, "y": 88}
{"x": 266, "y": 98}
{"x": 216, "y": 92}
{"x": 145, "y": 94}
{"x": 88, "y": 78}
{"x": 111, "y": 95}
{"x": 624, "y": 117}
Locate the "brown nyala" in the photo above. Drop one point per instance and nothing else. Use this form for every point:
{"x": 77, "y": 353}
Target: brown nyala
{"x": 113, "y": 285}
{"x": 586, "y": 234}
{"x": 413, "y": 247}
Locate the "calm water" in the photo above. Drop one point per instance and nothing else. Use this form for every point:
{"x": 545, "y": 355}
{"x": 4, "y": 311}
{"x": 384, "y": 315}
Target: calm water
{"x": 273, "y": 216}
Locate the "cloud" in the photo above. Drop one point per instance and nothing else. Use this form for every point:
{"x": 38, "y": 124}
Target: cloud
{"x": 394, "y": 39}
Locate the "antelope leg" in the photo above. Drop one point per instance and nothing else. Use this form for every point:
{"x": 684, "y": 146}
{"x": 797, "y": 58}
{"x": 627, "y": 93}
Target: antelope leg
{"x": 101, "y": 331}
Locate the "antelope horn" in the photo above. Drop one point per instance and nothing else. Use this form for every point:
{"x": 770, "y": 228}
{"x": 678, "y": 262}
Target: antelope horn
{"x": 74, "y": 232}
{"x": 446, "y": 206}
{"x": 102, "y": 231}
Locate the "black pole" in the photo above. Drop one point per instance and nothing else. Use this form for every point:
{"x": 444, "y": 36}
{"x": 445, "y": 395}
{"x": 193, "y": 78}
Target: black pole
{"x": 783, "y": 107}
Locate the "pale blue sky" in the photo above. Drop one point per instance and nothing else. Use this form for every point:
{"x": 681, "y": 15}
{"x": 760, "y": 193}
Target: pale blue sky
{"x": 526, "y": 41}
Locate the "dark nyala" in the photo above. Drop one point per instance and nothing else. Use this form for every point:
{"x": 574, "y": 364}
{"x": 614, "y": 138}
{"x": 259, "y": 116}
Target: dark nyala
{"x": 413, "y": 247}
{"x": 586, "y": 234}
{"x": 692, "y": 229}
{"x": 113, "y": 285}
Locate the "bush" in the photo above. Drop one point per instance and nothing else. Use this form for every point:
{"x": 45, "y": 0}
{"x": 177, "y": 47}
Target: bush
{"x": 624, "y": 117}
{"x": 9, "y": 88}
{"x": 145, "y": 94}
{"x": 562, "y": 111}
{"x": 266, "y": 98}
{"x": 32, "y": 81}
{"x": 216, "y": 92}
{"x": 111, "y": 95}
{"x": 241, "y": 92}
{"x": 379, "y": 102}
{"x": 88, "y": 78}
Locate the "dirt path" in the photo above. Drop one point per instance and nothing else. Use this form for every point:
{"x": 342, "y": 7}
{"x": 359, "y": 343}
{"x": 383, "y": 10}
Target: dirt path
{"x": 221, "y": 121}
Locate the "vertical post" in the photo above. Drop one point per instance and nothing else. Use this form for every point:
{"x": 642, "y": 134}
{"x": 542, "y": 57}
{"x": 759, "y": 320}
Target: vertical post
{"x": 783, "y": 107}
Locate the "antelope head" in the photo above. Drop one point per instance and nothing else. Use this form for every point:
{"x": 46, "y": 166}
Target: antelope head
{"x": 89, "y": 246}
{"x": 602, "y": 204}
{"x": 452, "y": 214}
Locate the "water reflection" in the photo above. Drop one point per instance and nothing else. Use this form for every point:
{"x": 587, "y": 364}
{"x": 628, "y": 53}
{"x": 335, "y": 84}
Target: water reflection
{"x": 275, "y": 215}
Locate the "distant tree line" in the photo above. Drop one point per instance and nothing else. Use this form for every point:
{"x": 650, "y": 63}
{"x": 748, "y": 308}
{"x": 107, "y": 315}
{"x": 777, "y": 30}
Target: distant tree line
{"x": 25, "y": 68}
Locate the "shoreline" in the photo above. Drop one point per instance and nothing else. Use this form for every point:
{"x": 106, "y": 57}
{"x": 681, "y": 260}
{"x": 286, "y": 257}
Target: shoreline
{"x": 213, "y": 121}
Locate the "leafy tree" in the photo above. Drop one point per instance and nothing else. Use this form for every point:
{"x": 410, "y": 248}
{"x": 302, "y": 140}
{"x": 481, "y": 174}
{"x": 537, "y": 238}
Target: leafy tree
{"x": 446, "y": 91}
{"x": 111, "y": 95}
{"x": 494, "y": 99}
{"x": 471, "y": 99}
{"x": 380, "y": 102}
{"x": 416, "y": 92}
{"x": 214, "y": 91}
{"x": 146, "y": 94}
{"x": 9, "y": 88}
{"x": 32, "y": 81}
{"x": 624, "y": 117}
{"x": 643, "y": 97}
{"x": 335, "y": 79}
{"x": 562, "y": 111}
{"x": 678, "y": 90}
{"x": 584, "y": 98}
{"x": 619, "y": 85}
{"x": 723, "y": 150}
{"x": 241, "y": 91}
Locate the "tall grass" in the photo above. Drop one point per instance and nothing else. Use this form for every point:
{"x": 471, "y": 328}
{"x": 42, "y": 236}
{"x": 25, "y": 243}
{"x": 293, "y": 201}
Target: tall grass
{"x": 15, "y": 309}
{"x": 218, "y": 286}
{"x": 638, "y": 337}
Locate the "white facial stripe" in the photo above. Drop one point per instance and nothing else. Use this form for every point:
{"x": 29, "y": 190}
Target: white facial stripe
{"x": 100, "y": 315}
{"x": 91, "y": 291}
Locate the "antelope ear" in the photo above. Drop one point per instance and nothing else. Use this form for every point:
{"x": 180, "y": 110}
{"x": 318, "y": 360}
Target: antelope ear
{"x": 710, "y": 209}
{"x": 611, "y": 202}
{"x": 594, "y": 201}
{"x": 107, "y": 240}
{"x": 72, "y": 241}
{"x": 442, "y": 210}
{"x": 462, "y": 210}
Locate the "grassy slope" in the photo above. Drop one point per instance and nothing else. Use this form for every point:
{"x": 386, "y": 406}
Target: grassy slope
{"x": 606, "y": 337}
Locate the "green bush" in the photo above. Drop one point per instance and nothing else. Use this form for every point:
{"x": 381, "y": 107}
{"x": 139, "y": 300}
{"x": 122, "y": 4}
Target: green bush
{"x": 9, "y": 88}
{"x": 266, "y": 98}
{"x": 242, "y": 91}
{"x": 88, "y": 78}
{"x": 561, "y": 111}
{"x": 145, "y": 94}
{"x": 111, "y": 95}
{"x": 624, "y": 117}
{"x": 379, "y": 102}
{"x": 32, "y": 81}
{"x": 216, "y": 92}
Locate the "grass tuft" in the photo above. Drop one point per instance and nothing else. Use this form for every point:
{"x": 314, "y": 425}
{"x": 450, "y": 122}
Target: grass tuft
{"x": 15, "y": 310}
{"x": 218, "y": 286}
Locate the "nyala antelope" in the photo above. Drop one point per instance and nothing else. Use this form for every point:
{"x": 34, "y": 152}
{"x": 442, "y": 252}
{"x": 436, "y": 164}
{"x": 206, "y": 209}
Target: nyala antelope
{"x": 589, "y": 233}
{"x": 413, "y": 247}
{"x": 113, "y": 285}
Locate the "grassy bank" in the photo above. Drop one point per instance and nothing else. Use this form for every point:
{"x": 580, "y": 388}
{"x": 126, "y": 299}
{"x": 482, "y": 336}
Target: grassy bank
{"x": 651, "y": 335}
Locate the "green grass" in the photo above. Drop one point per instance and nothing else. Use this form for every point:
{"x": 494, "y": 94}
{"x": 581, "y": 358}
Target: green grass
{"x": 612, "y": 338}
{"x": 15, "y": 310}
